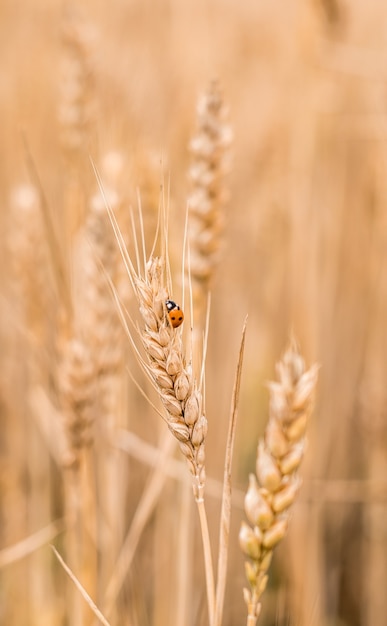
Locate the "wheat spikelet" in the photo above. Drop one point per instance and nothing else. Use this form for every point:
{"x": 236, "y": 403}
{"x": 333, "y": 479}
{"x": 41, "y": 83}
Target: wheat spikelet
{"x": 210, "y": 150}
{"x": 273, "y": 489}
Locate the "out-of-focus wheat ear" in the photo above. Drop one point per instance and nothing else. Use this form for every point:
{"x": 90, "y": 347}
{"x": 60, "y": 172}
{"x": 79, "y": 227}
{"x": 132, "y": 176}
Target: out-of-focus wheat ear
{"x": 77, "y": 118}
{"x": 94, "y": 348}
{"x": 29, "y": 254}
{"x": 100, "y": 259}
{"x": 273, "y": 487}
{"x": 38, "y": 265}
{"x": 77, "y": 381}
{"x": 77, "y": 102}
{"x": 101, "y": 266}
{"x": 77, "y": 392}
{"x": 210, "y": 149}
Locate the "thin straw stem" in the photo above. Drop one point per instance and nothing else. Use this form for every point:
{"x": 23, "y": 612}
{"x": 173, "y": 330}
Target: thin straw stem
{"x": 209, "y": 570}
{"x": 225, "y": 516}
{"x": 144, "y": 509}
{"x": 81, "y": 589}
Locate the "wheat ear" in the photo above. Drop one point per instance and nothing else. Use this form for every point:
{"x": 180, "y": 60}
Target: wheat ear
{"x": 30, "y": 261}
{"x": 77, "y": 394}
{"x": 178, "y": 392}
{"x": 172, "y": 377}
{"x": 210, "y": 151}
{"x": 273, "y": 489}
{"x": 76, "y": 106}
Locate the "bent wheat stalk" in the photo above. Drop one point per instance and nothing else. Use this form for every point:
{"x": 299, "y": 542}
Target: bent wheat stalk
{"x": 273, "y": 489}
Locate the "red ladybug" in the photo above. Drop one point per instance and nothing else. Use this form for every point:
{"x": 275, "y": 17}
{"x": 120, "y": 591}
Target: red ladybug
{"x": 176, "y": 315}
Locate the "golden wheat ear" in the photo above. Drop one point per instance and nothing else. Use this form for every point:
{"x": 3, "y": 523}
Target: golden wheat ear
{"x": 210, "y": 150}
{"x": 273, "y": 488}
{"x": 166, "y": 367}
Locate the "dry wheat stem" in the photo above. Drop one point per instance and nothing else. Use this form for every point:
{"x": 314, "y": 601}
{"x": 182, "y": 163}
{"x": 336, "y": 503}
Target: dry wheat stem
{"x": 185, "y": 553}
{"x": 81, "y": 589}
{"x": 225, "y": 515}
{"x": 273, "y": 489}
{"x": 30, "y": 544}
{"x": 143, "y": 512}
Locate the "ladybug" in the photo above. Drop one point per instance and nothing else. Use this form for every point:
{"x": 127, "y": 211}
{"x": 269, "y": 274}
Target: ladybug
{"x": 176, "y": 315}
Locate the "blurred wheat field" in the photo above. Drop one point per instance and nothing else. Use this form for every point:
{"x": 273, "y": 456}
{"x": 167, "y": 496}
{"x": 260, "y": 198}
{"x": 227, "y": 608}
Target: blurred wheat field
{"x": 301, "y": 247}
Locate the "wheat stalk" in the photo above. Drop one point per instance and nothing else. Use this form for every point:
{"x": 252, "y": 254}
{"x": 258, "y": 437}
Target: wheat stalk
{"x": 81, "y": 589}
{"x": 273, "y": 489}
